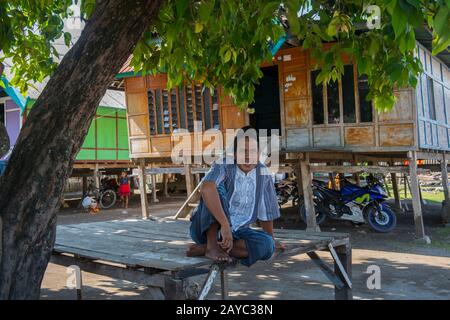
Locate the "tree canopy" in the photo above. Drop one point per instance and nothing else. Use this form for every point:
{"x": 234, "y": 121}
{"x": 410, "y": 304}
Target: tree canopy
{"x": 223, "y": 43}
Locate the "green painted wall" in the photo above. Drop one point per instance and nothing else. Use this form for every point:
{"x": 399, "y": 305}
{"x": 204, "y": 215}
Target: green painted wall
{"x": 107, "y": 138}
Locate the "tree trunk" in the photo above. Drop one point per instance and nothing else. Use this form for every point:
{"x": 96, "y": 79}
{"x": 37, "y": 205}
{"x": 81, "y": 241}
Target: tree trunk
{"x": 51, "y": 137}
{"x": 4, "y": 140}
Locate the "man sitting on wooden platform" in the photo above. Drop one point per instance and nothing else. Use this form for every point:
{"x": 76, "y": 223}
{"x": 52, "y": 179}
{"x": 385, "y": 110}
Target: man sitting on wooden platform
{"x": 235, "y": 195}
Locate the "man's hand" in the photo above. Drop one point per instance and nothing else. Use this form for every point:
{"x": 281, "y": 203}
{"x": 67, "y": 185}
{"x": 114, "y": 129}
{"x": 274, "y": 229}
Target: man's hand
{"x": 227, "y": 238}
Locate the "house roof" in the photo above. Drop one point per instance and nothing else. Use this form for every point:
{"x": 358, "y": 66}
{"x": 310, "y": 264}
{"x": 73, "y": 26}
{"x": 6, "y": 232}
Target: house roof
{"x": 425, "y": 37}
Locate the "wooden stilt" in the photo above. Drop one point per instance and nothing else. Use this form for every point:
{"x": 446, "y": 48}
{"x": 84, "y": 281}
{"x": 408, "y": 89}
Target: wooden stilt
{"x": 165, "y": 185}
{"x": 356, "y": 178}
{"x": 84, "y": 184}
{"x": 418, "y": 217}
{"x": 197, "y": 178}
{"x": 395, "y": 191}
{"x": 143, "y": 189}
{"x": 189, "y": 179}
{"x": 343, "y": 268}
{"x": 154, "y": 198}
{"x": 446, "y": 207}
{"x": 96, "y": 176}
{"x": 405, "y": 185}
{"x": 386, "y": 185}
{"x": 305, "y": 170}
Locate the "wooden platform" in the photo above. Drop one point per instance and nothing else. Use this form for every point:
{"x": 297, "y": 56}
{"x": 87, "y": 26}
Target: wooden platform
{"x": 152, "y": 253}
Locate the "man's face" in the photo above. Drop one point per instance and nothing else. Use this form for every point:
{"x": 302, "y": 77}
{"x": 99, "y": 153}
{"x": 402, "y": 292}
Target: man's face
{"x": 247, "y": 155}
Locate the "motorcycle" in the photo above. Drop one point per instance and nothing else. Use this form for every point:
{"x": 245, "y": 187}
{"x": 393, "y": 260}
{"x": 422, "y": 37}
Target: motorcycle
{"x": 287, "y": 191}
{"x": 353, "y": 203}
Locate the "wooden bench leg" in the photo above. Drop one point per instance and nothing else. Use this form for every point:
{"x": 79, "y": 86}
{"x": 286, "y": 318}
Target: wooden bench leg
{"x": 342, "y": 256}
{"x": 213, "y": 272}
{"x": 329, "y": 273}
{"x": 224, "y": 284}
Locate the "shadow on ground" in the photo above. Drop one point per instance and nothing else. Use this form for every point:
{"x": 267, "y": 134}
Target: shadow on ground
{"x": 408, "y": 270}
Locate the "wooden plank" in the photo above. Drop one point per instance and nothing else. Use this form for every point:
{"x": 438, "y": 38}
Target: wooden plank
{"x": 189, "y": 179}
{"x": 446, "y": 208}
{"x": 355, "y": 169}
{"x": 224, "y": 284}
{"x": 395, "y": 190}
{"x": 123, "y": 245}
{"x": 192, "y": 198}
{"x": 341, "y": 267}
{"x": 344, "y": 255}
{"x": 115, "y": 272}
{"x": 138, "y": 253}
{"x": 359, "y": 136}
{"x": 327, "y": 137}
{"x": 326, "y": 270}
{"x": 305, "y": 171}
{"x": 174, "y": 170}
{"x": 396, "y": 135}
{"x": 297, "y": 113}
{"x": 143, "y": 189}
{"x": 214, "y": 271}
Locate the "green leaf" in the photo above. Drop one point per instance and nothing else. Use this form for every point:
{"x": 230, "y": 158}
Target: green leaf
{"x": 181, "y": 6}
{"x": 67, "y": 38}
{"x": 198, "y": 27}
{"x": 227, "y": 56}
{"x": 205, "y": 10}
{"x": 399, "y": 21}
{"x": 441, "y": 21}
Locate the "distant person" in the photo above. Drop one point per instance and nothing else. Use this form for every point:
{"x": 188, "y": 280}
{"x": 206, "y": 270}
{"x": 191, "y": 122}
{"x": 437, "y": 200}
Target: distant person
{"x": 124, "y": 189}
{"x": 90, "y": 204}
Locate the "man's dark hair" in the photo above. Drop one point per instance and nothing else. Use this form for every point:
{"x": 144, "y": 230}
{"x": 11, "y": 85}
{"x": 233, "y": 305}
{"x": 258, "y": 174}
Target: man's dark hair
{"x": 242, "y": 131}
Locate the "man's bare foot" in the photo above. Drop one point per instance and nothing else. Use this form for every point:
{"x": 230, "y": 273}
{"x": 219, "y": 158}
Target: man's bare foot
{"x": 216, "y": 253}
{"x": 196, "y": 250}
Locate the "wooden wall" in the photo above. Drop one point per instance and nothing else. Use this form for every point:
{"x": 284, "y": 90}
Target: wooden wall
{"x": 433, "y": 127}
{"x": 407, "y": 127}
{"x": 394, "y": 131}
{"x": 143, "y": 144}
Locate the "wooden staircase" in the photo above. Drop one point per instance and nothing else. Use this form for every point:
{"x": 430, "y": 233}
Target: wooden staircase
{"x": 191, "y": 203}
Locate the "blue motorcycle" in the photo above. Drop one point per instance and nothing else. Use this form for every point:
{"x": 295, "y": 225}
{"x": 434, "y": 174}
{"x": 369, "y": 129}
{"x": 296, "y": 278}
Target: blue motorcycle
{"x": 353, "y": 203}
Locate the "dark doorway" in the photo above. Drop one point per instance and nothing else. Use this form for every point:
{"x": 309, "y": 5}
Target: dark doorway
{"x": 267, "y": 101}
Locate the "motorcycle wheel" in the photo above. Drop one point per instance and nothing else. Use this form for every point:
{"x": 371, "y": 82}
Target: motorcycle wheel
{"x": 320, "y": 216}
{"x": 383, "y": 220}
{"x": 108, "y": 199}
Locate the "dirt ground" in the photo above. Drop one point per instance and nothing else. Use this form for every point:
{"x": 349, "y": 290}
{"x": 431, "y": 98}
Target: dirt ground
{"x": 408, "y": 269}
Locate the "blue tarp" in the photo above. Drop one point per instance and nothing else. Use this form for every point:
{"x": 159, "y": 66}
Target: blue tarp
{"x": 14, "y": 94}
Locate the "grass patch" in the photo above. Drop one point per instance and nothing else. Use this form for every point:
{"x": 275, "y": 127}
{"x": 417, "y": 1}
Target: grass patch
{"x": 430, "y": 197}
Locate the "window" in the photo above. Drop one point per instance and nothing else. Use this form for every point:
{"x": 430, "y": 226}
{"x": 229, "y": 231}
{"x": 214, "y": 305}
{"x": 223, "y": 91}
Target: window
{"x": 334, "y": 113}
{"x": 330, "y": 110}
{"x": 348, "y": 95}
{"x": 365, "y": 106}
{"x": 431, "y": 101}
{"x": 170, "y": 110}
{"x": 317, "y": 99}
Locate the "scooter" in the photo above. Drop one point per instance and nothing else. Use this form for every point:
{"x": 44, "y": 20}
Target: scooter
{"x": 353, "y": 203}
{"x": 287, "y": 190}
